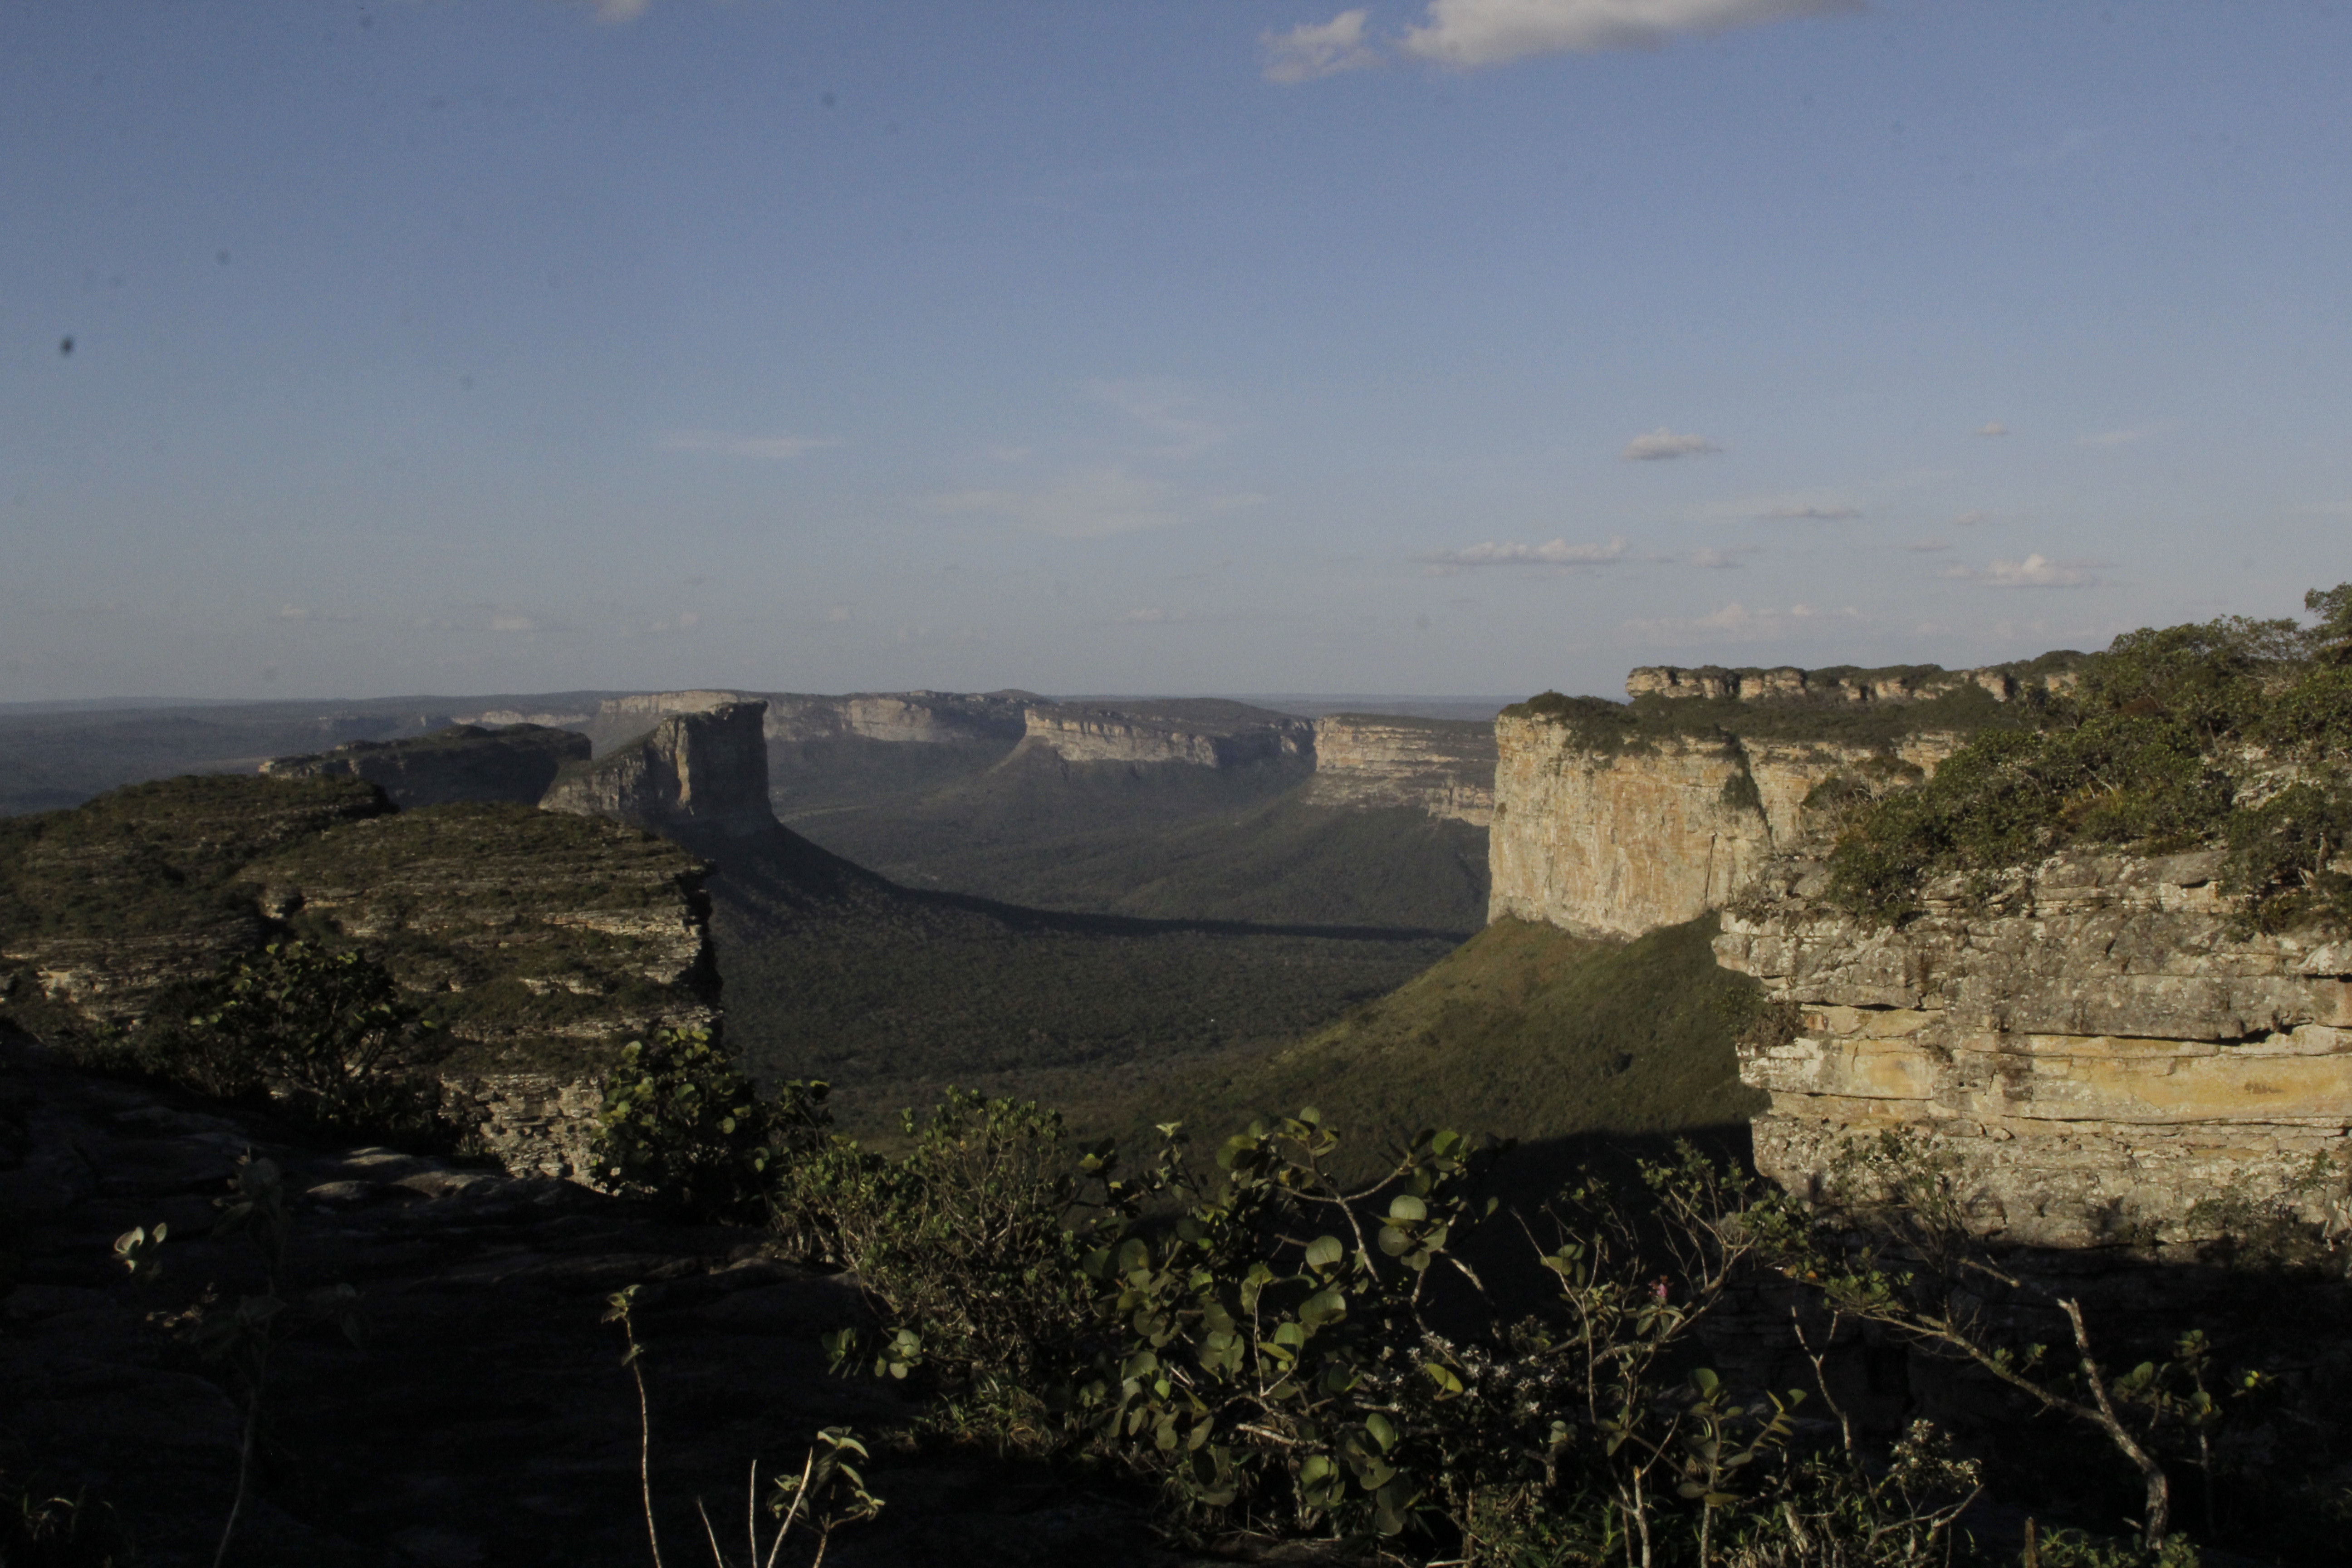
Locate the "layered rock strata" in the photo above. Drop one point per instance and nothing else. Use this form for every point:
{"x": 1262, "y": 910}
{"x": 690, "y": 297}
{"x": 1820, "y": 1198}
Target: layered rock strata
{"x": 2101, "y": 1052}
{"x": 1205, "y": 733}
{"x": 1615, "y": 840}
{"x": 464, "y": 761}
{"x": 900, "y": 718}
{"x": 540, "y": 944}
{"x": 1842, "y": 684}
{"x": 708, "y": 769}
{"x": 1366, "y": 762}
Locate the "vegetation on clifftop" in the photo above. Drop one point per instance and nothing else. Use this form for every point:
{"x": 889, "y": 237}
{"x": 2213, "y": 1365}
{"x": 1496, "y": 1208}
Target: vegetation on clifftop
{"x": 2230, "y": 733}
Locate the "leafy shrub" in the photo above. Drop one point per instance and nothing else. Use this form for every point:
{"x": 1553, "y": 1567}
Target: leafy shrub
{"x": 1291, "y": 1356}
{"x": 682, "y": 1126}
{"x": 2284, "y": 855}
{"x": 327, "y": 1035}
{"x": 2137, "y": 759}
{"x": 966, "y": 1244}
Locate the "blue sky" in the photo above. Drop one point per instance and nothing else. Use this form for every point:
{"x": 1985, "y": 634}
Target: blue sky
{"x": 1207, "y": 345}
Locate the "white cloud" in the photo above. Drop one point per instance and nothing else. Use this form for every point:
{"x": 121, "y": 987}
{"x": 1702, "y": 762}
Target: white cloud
{"x": 1810, "y": 513}
{"x": 1241, "y": 502}
{"x": 1972, "y": 517}
{"x": 837, "y": 613}
{"x": 513, "y": 624}
{"x": 1992, "y": 427}
{"x": 304, "y": 612}
{"x": 1662, "y": 445}
{"x": 1313, "y": 50}
{"x": 1928, "y": 546}
{"x": 767, "y": 448}
{"x": 1083, "y": 506}
{"x": 2115, "y": 438}
{"x": 1558, "y": 554}
{"x": 618, "y": 10}
{"x": 1716, "y": 557}
{"x": 1467, "y": 33}
{"x": 2033, "y": 571}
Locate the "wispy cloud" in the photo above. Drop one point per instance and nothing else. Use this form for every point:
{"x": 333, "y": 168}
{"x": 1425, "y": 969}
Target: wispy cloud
{"x": 1558, "y": 554}
{"x": 1718, "y": 559}
{"x": 304, "y": 612}
{"x": 1736, "y": 623}
{"x": 1972, "y": 517}
{"x": 1810, "y": 513}
{"x": 1927, "y": 546}
{"x": 2033, "y": 571}
{"x": 617, "y": 10}
{"x": 514, "y": 624}
{"x": 1170, "y": 411}
{"x": 1662, "y": 445}
{"x": 767, "y": 448}
{"x": 1469, "y": 33}
{"x": 1088, "y": 505}
{"x": 1313, "y": 50}
{"x": 1992, "y": 427}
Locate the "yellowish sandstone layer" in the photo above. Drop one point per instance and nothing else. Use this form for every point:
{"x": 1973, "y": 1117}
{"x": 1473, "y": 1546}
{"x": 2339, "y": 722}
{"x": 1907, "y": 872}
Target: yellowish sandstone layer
{"x": 2102, "y": 1053}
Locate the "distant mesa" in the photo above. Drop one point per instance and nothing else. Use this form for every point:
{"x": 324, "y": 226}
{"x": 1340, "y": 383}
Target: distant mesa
{"x": 463, "y": 763}
{"x": 705, "y": 769}
{"x": 1444, "y": 766}
{"x": 1204, "y": 731}
{"x": 900, "y": 718}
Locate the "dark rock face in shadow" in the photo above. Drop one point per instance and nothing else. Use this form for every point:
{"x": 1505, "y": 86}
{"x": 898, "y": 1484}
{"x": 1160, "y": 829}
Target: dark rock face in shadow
{"x": 489, "y": 1421}
{"x": 463, "y": 763}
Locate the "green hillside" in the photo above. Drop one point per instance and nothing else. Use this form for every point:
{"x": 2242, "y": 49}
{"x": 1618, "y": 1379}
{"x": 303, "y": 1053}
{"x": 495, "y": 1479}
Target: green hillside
{"x": 1522, "y": 1032}
{"x": 894, "y": 995}
{"x": 1168, "y": 842}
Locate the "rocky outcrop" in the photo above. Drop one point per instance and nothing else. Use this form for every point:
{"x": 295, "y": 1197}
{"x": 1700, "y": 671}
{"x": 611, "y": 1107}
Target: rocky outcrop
{"x": 1844, "y": 684}
{"x": 1610, "y": 838}
{"x": 464, "y": 761}
{"x": 540, "y": 944}
{"x": 2101, "y": 1050}
{"x": 1367, "y": 760}
{"x": 706, "y": 771}
{"x": 104, "y": 907}
{"x": 1203, "y": 732}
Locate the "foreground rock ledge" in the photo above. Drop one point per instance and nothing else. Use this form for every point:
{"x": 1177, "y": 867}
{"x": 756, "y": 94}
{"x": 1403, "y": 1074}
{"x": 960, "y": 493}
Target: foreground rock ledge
{"x": 489, "y": 1421}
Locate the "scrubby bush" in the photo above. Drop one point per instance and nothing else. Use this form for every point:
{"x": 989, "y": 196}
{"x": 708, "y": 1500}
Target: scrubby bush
{"x": 1287, "y": 1355}
{"x": 969, "y": 1245}
{"x": 682, "y": 1126}
{"x": 326, "y": 1035}
{"x": 2151, "y": 754}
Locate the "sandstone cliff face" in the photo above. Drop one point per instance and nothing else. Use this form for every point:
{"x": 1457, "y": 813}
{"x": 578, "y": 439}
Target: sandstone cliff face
{"x": 708, "y": 770}
{"x": 1364, "y": 761}
{"x": 2093, "y": 1043}
{"x": 462, "y": 762}
{"x": 1618, "y": 842}
{"x": 1206, "y": 734}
